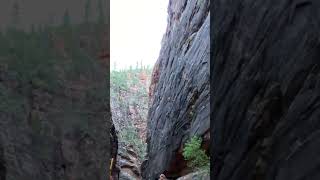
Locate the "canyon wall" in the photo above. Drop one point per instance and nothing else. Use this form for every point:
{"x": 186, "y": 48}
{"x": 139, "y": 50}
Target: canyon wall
{"x": 53, "y": 116}
{"x": 179, "y": 90}
{"x": 266, "y": 82}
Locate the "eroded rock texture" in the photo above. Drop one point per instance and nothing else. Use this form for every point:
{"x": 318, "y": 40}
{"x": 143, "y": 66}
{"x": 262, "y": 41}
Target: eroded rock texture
{"x": 128, "y": 162}
{"x": 199, "y": 175}
{"x": 52, "y": 136}
{"x": 179, "y": 91}
{"x": 266, "y": 87}
{"x": 52, "y": 132}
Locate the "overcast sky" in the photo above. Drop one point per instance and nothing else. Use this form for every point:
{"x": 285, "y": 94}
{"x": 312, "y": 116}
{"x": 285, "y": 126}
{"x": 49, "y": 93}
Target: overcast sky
{"x": 136, "y": 29}
{"x": 136, "y": 26}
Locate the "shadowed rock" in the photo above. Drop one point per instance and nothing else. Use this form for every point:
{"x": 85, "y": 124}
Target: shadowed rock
{"x": 266, "y": 85}
{"x": 179, "y": 91}
{"x": 52, "y": 132}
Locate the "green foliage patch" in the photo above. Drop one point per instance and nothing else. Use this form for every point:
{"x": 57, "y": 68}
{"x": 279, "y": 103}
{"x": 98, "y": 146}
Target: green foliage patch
{"x": 196, "y": 157}
{"x": 128, "y": 90}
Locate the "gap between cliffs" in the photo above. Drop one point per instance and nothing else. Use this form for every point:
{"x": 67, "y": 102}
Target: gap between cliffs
{"x": 157, "y": 110}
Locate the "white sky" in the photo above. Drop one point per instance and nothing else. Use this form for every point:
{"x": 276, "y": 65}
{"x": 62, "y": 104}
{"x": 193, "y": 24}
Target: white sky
{"x": 136, "y": 31}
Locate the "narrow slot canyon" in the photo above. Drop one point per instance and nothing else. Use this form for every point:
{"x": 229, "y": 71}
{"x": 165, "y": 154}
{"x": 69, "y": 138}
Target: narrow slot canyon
{"x": 146, "y": 90}
{"x": 157, "y": 110}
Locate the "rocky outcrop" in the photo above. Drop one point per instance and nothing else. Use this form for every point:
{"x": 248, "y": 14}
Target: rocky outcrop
{"x": 199, "y": 175}
{"x": 128, "y": 162}
{"x": 266, "y": 90}
{"x": 179, "y": 91}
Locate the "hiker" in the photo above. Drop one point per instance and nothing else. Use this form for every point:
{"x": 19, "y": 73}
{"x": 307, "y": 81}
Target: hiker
{"x": 162, "y": 177}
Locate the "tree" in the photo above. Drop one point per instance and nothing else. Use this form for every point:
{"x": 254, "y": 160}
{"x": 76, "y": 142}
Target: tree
{"x": 101, "y": 16}
{"x": 66, "y": 18}
{"x": 87, "y": 11}
{"x": 115, "y": 66}
{"x": 16, "y": 15}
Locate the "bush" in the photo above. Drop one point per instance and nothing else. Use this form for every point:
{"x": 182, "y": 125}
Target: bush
{"x": 196, "y": 157}
{"x": 127, "y": 90}
{"x": 118, "y": 80}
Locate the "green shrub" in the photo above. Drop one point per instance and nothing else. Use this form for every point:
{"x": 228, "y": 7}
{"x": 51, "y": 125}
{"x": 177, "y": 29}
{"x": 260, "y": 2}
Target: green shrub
{"x": 126, "y": 89}
{"x": 196, "y": 157}
{"x": 119, "y": 80}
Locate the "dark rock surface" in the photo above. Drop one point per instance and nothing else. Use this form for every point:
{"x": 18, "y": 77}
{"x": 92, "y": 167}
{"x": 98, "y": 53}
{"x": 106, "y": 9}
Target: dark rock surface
{"x": 266, "y": 89}
{"x": 128, "y": 162}
{"x": 114, "y": 152}
{"x": 53, "y": 133}
{"x": 179, "y": 91}
{"x": 52, "y": 136}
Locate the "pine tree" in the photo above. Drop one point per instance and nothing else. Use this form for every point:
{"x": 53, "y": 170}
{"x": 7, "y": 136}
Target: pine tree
{"x": 115, "y": 66}
{"x": 66, "y": 18}
{"x": 16, "y": 15}
{"x": 87, "y": 11}
{"x": 101, "y": 16}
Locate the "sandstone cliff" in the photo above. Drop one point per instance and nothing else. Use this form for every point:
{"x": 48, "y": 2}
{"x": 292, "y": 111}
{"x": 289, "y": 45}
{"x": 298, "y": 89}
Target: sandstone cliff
{"x": 53, "y": 114}
{"x": 266, "y": 78}
{"x": 179, "y": 91}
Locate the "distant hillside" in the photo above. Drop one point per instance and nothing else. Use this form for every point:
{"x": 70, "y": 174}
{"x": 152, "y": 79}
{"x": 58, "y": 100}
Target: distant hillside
{"x": 129, "y": 107}
{"x": 53, "y": 110}
{"x": 41, "y": 12}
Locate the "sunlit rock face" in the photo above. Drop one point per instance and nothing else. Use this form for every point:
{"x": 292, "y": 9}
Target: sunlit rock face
{"x": 266, "y": 78}
{"x": 179, "y": 90}
{"x": 196, "y": 175}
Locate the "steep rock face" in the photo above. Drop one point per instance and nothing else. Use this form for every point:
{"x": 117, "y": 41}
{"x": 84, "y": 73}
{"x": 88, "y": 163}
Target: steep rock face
{"x": 53, "y": 132}
{"x": 266, "y": 96}
{"x": 44, "y": 139}
{"x": 179, "y": 91}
